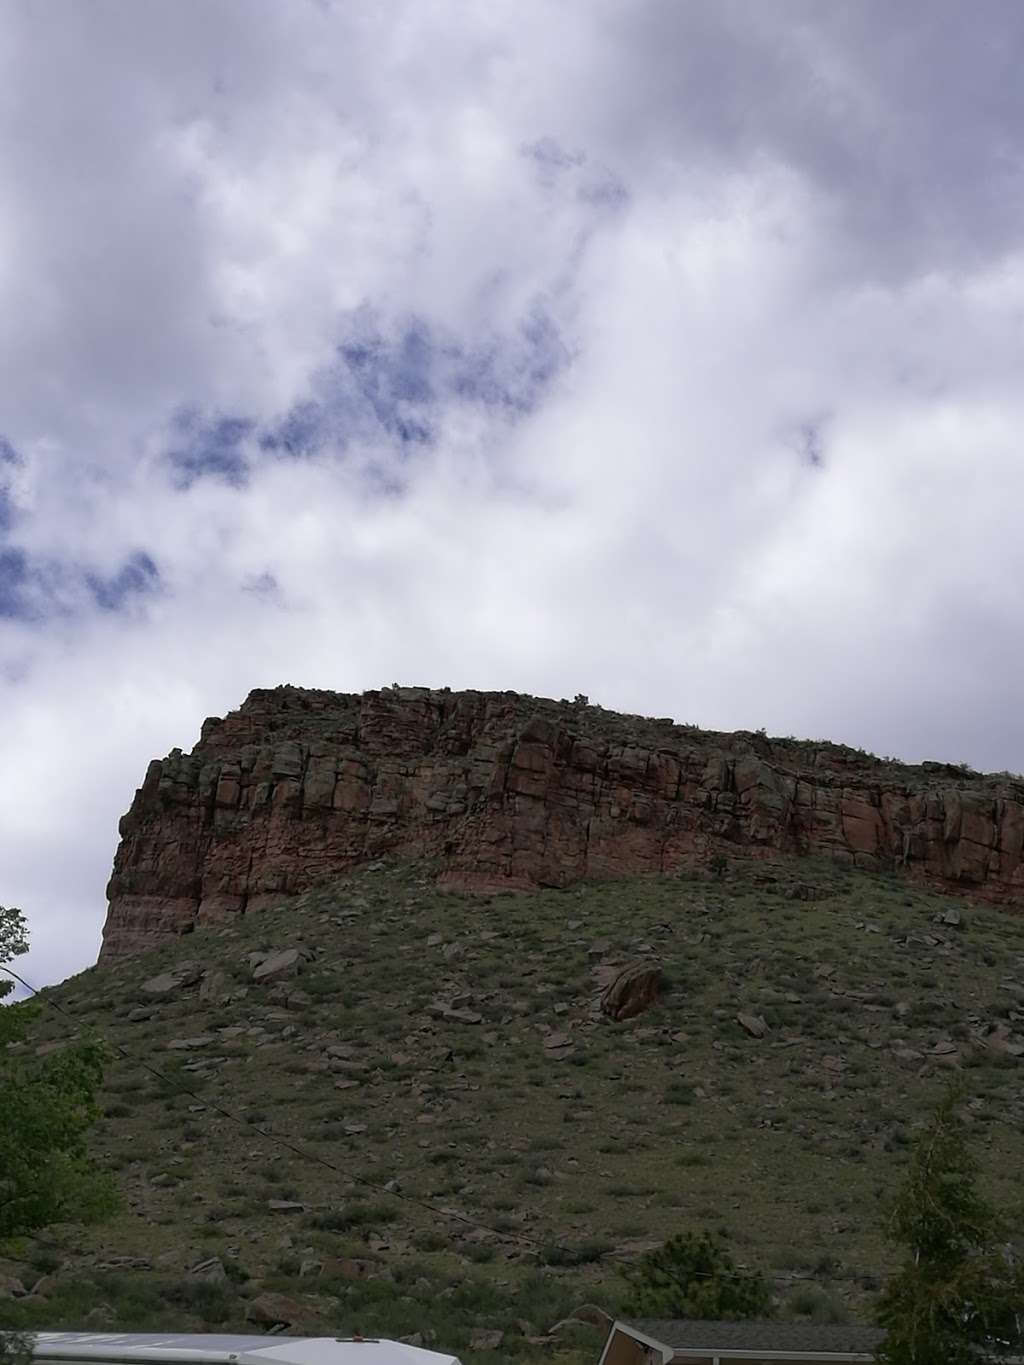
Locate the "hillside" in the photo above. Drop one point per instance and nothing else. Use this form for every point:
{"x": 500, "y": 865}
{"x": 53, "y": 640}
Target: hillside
{"x": 501, "y": 790}
{"x": 447, "y": 1047}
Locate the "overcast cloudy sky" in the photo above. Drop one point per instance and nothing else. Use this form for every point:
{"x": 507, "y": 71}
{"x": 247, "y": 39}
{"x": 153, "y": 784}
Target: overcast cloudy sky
{"x": 664, "y": 350}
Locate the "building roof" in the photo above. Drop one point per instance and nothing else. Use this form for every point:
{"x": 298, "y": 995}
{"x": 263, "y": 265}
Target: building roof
{"x": 173, "y": 1348}
{"x": 810, "y": 1338}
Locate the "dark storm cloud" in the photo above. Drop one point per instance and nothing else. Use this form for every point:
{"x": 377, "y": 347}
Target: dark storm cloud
{"x": 906, "y": 119}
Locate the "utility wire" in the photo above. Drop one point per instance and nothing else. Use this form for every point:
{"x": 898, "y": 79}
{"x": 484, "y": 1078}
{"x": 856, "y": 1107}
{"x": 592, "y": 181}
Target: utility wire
{"x": 250, "y": 1125}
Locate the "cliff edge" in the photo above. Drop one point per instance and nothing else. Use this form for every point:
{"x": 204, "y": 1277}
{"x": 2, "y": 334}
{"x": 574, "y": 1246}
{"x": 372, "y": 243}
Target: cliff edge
{"x": 507, "y": 791}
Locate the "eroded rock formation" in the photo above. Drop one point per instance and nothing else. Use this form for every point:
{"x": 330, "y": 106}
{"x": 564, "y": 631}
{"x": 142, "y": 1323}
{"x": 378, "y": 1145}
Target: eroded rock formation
{"x": 508, "y": 791}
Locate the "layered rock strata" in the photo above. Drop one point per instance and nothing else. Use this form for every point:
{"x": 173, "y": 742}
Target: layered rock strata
{"x": 512, "y": 792}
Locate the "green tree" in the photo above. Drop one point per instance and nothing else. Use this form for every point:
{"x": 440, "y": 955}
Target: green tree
{"x": 694, "y": 1276}
{"x": 957, "y": 1296}
{"x": 13, "y": 942}
{"x": 47, "y": 1105}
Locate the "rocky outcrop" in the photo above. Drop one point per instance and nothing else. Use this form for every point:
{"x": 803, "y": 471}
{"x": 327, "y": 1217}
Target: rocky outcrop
{"x": 506, "y": 791}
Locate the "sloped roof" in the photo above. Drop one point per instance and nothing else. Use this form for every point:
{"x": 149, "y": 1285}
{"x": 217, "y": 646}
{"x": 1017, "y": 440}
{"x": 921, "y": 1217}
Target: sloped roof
{"x": 826, "y": 1338}
{"x": 186, "y": 1348}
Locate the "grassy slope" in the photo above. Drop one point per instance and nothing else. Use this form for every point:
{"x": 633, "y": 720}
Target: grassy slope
{"x": 790, "y": 1144}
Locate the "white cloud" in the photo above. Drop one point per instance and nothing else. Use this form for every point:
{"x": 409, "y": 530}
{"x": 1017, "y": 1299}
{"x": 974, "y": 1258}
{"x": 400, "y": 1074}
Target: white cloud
{"x": 688, "y": 244}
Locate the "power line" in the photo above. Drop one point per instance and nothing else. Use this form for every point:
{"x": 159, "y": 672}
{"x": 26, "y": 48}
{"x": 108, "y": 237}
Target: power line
{"x": 250, "y": 1125}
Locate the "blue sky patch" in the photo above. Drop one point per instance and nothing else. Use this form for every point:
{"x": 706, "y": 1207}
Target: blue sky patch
{"x": 9, "y": 458}
{"x": 301, "y": 432}
{"x": 396, "y": 380}
{"x": 209, "y": 447}
{"x": 399, "y": 385}
{"x": 409, "y": 381}
{"x": 13, "y": 577}
{"x": 138, "y": 576}
{"x": 37, "y": 589}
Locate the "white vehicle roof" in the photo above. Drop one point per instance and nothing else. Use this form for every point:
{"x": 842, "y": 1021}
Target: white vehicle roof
{"x": 122, "y": 1348}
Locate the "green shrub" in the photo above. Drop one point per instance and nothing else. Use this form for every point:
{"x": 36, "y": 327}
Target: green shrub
{"x": 355, "y": 1216}
{"x": 694, "y": 1276}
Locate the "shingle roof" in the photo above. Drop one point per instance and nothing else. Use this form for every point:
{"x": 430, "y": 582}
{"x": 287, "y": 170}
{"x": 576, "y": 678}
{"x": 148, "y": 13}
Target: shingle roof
{"x": 826, "y": 1338}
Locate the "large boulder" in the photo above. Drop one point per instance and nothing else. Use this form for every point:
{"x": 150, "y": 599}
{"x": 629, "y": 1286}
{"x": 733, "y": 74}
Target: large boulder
{"x": 632, "y": 990}
{"x": 286, "y": 962}
{"x": 753, "y": 1024}
{"x": 211, "y": 1271}
{"x": 171, "y": 982}
{"x": 216, "y": 988}
{"x": 486, "y": 1339}
{"x": 275, "y": 1310}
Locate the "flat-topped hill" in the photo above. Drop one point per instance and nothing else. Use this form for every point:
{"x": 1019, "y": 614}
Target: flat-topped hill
{"x": 505, "y": 791}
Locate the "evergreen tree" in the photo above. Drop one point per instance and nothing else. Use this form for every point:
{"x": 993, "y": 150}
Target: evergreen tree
{"x": 958, "y": 1296}
{"x": 694, "y": 1276}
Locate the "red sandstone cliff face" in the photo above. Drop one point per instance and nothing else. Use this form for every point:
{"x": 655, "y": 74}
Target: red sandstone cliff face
{"x": 510, "y": 791}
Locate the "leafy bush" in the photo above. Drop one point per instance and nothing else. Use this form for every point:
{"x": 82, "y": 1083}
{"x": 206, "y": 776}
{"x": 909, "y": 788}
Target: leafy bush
{"x": 813, "y": 1302}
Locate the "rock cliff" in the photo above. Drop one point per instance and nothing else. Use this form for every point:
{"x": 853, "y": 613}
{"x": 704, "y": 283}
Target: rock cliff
{"x": 507, "y": 791}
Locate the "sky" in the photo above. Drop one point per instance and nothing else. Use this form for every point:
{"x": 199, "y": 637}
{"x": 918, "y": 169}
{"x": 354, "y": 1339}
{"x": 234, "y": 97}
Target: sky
{"x": 668, "y": 352}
